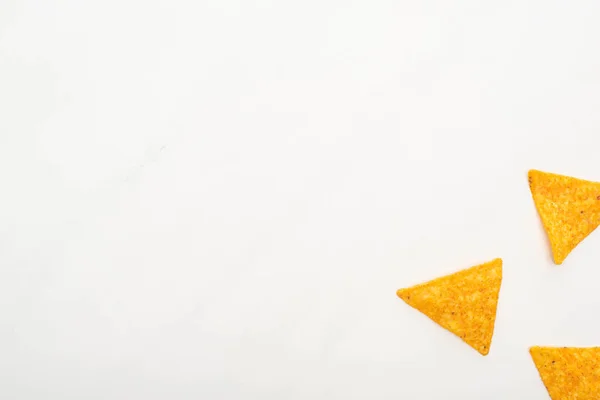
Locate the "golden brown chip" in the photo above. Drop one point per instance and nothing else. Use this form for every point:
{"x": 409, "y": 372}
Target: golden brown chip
{"x": 569, "y": 209}
{"x": 464, "y": 303}
{"x": 569, "y": 373}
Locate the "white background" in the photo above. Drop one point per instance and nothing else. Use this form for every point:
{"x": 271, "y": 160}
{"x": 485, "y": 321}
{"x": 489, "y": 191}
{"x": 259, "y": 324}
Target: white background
{"x": 218, "y": 199}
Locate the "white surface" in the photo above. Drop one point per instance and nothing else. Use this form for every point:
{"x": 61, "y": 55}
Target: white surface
{"x": 218, "y": 199}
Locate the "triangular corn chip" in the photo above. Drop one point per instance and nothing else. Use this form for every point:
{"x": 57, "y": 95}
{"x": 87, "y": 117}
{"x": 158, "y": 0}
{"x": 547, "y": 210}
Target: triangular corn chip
{"x": 569, "y": 373}
{"x": 464, "y": 303}
{"x": 569, "y": 209}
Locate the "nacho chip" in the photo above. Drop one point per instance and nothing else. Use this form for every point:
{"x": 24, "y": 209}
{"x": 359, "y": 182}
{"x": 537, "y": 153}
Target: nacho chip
{"x": 569, "y": 373}
{"x": 464, "y": 303}
{"x": 569, "y": 209}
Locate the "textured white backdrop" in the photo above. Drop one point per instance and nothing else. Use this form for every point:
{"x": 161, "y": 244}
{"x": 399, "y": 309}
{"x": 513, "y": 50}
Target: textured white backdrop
{"x": 218, "y": 199}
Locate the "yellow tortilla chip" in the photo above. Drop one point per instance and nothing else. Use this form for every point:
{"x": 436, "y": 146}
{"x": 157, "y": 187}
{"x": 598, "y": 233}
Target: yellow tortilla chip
{"x": 569, "y": 373}
{"x": 569, "y": 209}
{"x": 464, "y": 303}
